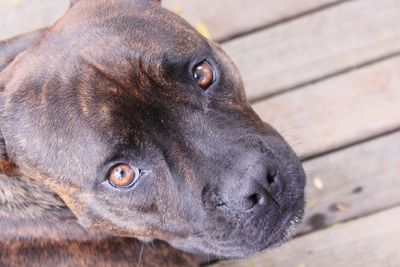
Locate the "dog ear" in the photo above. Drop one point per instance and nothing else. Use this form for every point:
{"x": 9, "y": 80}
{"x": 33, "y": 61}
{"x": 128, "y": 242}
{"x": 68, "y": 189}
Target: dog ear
{"x": 29, "y": 210}
{"x": 7, "y": 167}
{"x": 11, "y": 48}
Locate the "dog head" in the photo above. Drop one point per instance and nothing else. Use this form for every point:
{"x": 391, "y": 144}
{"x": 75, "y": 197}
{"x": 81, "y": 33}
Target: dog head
{"x": 143, "y": 129}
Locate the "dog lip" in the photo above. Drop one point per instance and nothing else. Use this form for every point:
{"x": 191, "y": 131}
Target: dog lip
{"x": 287, "y": 218}
{"x": 290, "y": 218}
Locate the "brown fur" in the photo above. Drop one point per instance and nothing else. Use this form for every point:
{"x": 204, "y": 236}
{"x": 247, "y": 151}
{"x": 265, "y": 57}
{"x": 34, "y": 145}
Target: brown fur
{"x": 104, "y": 252}
{"x": 112, "y": 83}
{"x": 37, "y": 229}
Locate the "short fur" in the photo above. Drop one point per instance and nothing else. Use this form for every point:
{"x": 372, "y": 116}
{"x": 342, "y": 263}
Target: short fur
{"x": 111, "y": 82}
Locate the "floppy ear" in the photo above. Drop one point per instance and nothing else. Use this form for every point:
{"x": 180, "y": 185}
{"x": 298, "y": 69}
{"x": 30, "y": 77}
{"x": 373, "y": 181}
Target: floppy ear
{"x": 29, "y": 210}
{"x": 11, "y": 48}
{"x": 7, "y": 167}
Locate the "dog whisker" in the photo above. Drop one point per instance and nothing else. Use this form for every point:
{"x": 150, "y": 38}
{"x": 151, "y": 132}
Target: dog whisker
{"x": 200, "y": 234}
{"x": 140, "y": 255}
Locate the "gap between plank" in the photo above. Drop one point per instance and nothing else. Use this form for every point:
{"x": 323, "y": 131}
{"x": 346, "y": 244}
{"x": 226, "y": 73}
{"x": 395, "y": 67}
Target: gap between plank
{"x": 351, "y": 144}
{"x": 326, "y": 77}
{"x": 281, "y": 21}
{"x": 359, "y": 142}
{"x": 367, "y": 214}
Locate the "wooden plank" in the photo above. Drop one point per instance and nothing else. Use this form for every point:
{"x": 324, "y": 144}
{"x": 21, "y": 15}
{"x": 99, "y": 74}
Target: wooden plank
{"x": 316, "y": 45}
{"x": 338, "y": 111}
{"x": 28, "y": 15}
{"x": 223, "y": 18}
{"x": 369, "y": 241}
{"x": 226, "y": 18}
{"x": 356, "y": 181}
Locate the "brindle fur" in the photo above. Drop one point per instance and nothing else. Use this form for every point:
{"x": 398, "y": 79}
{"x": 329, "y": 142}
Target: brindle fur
{"x": 111, "y": 82}
{"x": 37, "y": 229}
{"x": 106, "y": 252}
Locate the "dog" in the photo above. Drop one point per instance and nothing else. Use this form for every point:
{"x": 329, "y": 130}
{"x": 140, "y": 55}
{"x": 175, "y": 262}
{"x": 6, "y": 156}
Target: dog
{"x": 135, "y": 125}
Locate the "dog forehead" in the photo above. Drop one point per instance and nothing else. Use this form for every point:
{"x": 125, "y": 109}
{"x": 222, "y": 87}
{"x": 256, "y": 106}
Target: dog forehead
{"x": 139, "y": 25}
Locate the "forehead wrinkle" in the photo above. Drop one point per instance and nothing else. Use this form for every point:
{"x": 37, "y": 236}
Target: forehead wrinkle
{"x": 121, "y": 85}
{"x": 102, "y": 71}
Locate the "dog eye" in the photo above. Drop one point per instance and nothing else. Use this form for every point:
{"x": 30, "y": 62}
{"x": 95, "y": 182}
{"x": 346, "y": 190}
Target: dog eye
{"x": 123, "y": 175}
{"x": 204, "y": 74}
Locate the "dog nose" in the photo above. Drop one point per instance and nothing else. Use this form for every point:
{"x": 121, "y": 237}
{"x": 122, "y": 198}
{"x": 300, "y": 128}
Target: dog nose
{"x": 253, "y": 193}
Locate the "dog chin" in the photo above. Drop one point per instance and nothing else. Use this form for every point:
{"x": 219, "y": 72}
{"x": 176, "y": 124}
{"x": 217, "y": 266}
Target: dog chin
{"x": 235, "y": 250}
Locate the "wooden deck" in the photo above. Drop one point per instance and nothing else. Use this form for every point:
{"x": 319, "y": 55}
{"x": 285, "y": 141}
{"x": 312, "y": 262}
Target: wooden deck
{"x": 326, "y": 74}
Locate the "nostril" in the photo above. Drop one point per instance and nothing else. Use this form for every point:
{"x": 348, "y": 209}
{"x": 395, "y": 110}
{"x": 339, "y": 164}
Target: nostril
{"x": 247, "y": 198}
{"x": 253, "y": 199}
{"x": 271, "y": 178}
{"x": 256, "y": 199}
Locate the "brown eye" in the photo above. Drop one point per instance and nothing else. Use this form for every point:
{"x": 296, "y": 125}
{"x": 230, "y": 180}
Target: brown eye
{"x": 123, "y": 175}
{"x": 204, "y": 74}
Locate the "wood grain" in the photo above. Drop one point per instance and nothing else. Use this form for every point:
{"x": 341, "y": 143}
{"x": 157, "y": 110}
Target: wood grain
{"x": 226, "y": 18}
{"x": 357, "y": 181}
{"x": 223, "y": 18}
{"x": 338, "y": 111}
{"x": 317, "y": 45}
{"x": 369, "y": 241}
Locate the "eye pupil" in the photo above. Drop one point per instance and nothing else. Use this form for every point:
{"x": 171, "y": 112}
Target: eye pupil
{"x": 120, "y": 173}
{"x": 204, "y": 74}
